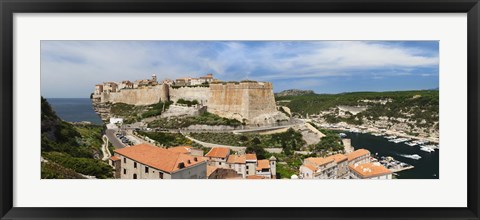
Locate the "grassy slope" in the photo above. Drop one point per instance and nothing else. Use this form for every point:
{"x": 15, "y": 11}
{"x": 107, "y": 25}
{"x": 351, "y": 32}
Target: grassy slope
{"x": 72, "y": 147}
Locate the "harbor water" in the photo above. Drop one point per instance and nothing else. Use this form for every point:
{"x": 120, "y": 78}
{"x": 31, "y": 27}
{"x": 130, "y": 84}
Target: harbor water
{"x": 427, "y": 167}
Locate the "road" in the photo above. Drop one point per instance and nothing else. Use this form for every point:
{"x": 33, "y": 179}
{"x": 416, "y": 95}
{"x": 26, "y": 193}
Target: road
{"x": 211, "y": 145}
{"x": 110, "y": 133}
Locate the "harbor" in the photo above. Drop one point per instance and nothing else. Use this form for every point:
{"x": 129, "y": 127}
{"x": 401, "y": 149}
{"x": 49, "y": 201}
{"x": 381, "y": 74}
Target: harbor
{"x": 405, "y": 160}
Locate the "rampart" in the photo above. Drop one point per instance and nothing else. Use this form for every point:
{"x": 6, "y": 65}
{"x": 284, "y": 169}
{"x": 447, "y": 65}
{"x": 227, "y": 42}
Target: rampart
{"x": 252, "y": 101}
{"x": 140, "y": 96}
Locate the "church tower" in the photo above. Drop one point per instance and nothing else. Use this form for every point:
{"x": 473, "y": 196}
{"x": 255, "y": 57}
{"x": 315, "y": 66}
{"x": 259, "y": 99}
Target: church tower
{"x": 273, "y": 166}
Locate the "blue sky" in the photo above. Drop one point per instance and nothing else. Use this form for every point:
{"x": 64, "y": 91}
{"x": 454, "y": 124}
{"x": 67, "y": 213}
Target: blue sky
{"x": 70, "y": 69}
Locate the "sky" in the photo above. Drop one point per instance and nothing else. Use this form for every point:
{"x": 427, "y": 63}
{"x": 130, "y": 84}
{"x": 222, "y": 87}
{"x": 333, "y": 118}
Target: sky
{"x": 70, "y": 69}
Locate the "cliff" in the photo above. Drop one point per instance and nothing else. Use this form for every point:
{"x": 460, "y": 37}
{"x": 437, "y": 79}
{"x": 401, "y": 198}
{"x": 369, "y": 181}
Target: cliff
{"x": 249, "y": 102}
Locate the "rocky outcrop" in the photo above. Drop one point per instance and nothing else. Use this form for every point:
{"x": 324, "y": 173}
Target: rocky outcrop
{"x": 102, "y": 109}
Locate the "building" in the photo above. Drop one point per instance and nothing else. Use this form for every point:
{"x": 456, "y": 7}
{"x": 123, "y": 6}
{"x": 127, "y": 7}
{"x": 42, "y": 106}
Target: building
{"x": 342, "y": 165}
{"x": 369, "y": 171}
{"x": 245, "y": 164}
{"x": 109, "y": 87}
{"x": 218, "y": 156}
{"x": 116, "y": 120}
{"x": 125, "y": 85}
{"x": 145, "y": 161}
{"x": 187, "y": 150}
{"x": 267, "y": 168}
{"x": 319, "y": 168}
{"x": 359, "y": 156}
{"x": 188, "y": 81}
{"x": 214, "y": 172}
{"x": 98, "y": 89}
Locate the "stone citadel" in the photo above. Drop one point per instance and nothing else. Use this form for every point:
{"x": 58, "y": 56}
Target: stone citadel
{"x": 250, "y": 102}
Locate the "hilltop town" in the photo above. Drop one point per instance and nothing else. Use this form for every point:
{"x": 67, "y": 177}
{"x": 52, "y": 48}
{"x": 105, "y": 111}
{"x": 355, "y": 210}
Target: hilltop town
{"x": 249, "y": 102}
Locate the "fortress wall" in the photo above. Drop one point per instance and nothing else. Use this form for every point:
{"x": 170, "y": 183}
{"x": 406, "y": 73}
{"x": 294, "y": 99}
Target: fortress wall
{"x": 201, "y": 94}
{"x": 244, "y": 100}
{"x": 141, "y": 96}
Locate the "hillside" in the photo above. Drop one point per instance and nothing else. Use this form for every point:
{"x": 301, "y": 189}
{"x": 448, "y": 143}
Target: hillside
{"x": 294, "y": 92}
{"x": 70, "y": 150}
{"x": 411, "y": 111}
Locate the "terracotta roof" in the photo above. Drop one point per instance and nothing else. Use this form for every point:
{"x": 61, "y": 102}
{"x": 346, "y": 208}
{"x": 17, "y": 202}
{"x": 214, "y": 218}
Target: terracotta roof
{"x": 369, "y": 170}
{"x": 251, "y": 157}
{"x": 220, "y": 152}
{"x": 211, "y": 169}
{"x": 255, "y": 177}
{"x": 114, "y": 158}
{"x": 159, "y": 158}
{"x": 263, "y": 164}
{"x": 181, "y": 149}
{"x": 310, "y": 167}
{"x": 319, "y": 161}
{"x": 338, "y": 157}
{"x": 236, "y": 159}
{"x": 356, "y": 154}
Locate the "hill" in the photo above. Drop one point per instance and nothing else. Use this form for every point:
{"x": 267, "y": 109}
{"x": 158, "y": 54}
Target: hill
{"x": 294, "y": 92}
{"x": 70, "y": 150}
{"x": 411, "y": 111}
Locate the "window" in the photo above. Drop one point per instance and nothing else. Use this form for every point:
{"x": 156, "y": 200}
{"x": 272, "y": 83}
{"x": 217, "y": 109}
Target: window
{"x": 134, "y": 176}
{"x": 134, "y": 164}
{"x": 219, "y": 163}
{"x": 146, "y": 169}
{"x": 247, "y": 171}
{"x": 124, "y": 160}
{"x": 124, "y": 171}
{"x": 161, "y": 175}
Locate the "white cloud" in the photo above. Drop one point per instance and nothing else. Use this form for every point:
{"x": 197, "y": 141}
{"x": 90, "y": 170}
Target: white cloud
{"x": 71, "y": 68}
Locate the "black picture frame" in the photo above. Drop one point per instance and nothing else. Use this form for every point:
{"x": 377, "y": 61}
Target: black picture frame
{"x": 9, "y": 7}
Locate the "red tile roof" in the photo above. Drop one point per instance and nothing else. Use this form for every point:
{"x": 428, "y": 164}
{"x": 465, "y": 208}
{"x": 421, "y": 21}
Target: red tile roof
{"x": 236, "y": 159}
{"x": 114, "y": 158}
{"x": 310, "y": 167}
{"x": 180, "y": 149}
{"x": 263, "y": 164}
{"x": 369, "y": 170}
{"x": 319, "y": 161}
{"x": 159, "y": 158}
{"x": 255, "y": 177}
{"x": 338, "y": 158}
{"x": 219, "y": 152}
{"x": 251, "y": 157}
{"x": 356, "y": 154}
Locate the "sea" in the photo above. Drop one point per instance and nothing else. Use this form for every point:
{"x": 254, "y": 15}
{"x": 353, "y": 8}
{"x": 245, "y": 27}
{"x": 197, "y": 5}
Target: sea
{"x": 75, "y": 109}
{"x": 426, "y": 167}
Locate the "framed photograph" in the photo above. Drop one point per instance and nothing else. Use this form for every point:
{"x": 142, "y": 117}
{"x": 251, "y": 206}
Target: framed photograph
{"x": 231, "y": 109}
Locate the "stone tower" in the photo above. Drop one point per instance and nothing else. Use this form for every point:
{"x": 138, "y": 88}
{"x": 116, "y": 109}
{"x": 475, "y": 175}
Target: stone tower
{"x": 273, "y": 166}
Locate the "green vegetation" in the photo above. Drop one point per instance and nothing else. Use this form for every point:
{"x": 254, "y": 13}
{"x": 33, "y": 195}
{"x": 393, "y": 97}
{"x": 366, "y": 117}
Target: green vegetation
{"x": 419, "y": 106}
{"x": 203, "y": 119}
{"x": 132, "y": 113}
{"x": 167, "y": 139}
{"x": 85, "y": 166}
{"x": 52, "y": 170}
{"x": 79, "y": 144}
{"x": 289, "y": 141}
{"x": 288, "y": 165}
{"x": 187, "y": 102}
